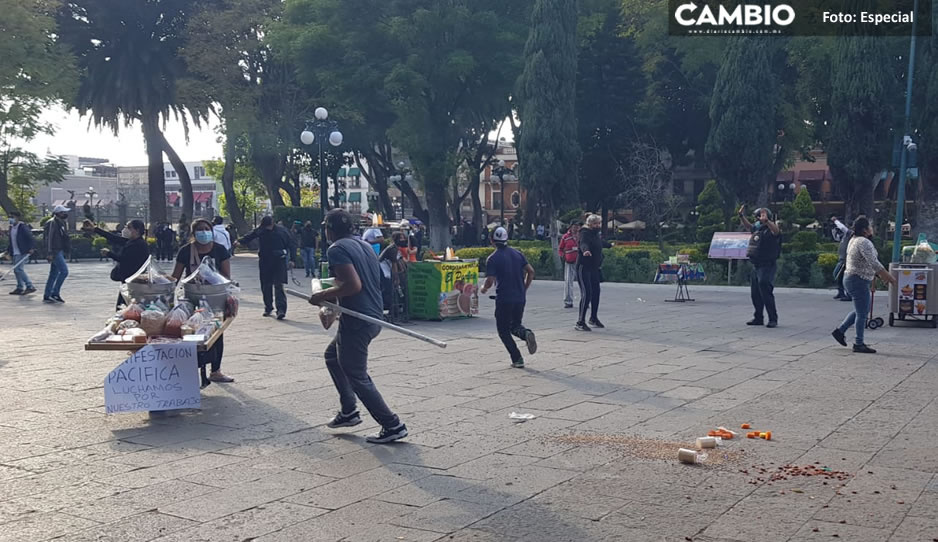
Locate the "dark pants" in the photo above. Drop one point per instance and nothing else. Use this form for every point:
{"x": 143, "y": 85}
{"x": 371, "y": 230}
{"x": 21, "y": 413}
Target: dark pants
{"x": 508, "y": 323}
{"x": 212, "y": 358}
{"x": 347, "y": 361}
{"x": 271, "y": 285}
{"x": 841, "y": 292}
{"x": 589, "y": 292}
{"x": 761, "y": 286}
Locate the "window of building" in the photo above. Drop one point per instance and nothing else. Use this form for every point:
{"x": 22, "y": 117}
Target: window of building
{"x": 496, "y": 200}
{"x": 199, "y": 172}
{"x": 515, "y": 199}
{"x": 168, "y": 176}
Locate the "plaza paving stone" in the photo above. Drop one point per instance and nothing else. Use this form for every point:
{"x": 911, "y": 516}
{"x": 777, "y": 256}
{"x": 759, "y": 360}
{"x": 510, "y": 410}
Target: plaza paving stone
{"x": 257, "y": 462}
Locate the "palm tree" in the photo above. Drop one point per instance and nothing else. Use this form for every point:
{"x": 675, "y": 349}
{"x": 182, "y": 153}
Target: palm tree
{"x": 127, "y": 52}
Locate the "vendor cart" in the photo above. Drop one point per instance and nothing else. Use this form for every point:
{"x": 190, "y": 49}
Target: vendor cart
{"x": 440, "y": 290}
{"x": 133, "y": 347}
{"x": 915, "y": 298}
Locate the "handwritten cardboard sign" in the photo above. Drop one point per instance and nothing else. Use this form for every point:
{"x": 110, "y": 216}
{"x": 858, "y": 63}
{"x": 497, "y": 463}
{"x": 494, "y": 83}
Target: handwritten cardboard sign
{"x": 156, "y": 377}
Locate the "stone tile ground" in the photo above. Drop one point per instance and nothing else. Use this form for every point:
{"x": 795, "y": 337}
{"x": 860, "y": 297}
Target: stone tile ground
{"x": 257, "y": 463}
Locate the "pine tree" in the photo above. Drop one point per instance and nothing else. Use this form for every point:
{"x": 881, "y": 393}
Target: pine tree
{"x": 710, "y": 209}
{"x": 547, "y": 146}
{"x": 862, "y": 94}
{"x": 743, "y": 127}
{"x": 804, "y": 208}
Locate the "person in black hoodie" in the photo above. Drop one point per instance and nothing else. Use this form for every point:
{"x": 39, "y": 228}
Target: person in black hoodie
{"x": 277, "y": 250}
{"x": 129, "y": 249}
{"x": 589, "y": 260}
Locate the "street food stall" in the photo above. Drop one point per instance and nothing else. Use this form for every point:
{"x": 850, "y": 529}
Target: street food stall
{"x": 443, "y": 289}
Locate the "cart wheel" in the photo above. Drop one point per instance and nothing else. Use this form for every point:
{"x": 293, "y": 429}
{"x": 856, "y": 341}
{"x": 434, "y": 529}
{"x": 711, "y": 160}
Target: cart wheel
{"x": 892, "y": 319}
{"x": 880, "y": 322}
{"x": 901, "y": 316}
{"x": 872, "y": 324}
{"x": 934, "y": 321}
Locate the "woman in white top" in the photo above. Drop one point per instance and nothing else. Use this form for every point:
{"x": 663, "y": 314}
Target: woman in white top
{"x": 862, "y": 267}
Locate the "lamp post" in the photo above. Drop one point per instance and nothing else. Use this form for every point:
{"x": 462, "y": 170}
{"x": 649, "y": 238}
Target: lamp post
{"x": 319, "y": 130}
{"x": 504, "y": 174}
{"x": 91, "y": 194}
{"x": 403, "y": 176}
{"x": 907, "y": 144}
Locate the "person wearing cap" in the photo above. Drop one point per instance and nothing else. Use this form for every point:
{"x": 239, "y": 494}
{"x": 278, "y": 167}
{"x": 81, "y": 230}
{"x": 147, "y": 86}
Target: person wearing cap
{"x": 58, "y": 247}
{"x": 510, "y": 271}
{"x": 568, "y": 249}
{"x": 765, "y": 246}
{"x": 21, "y": 246}
{"x": 373, "y": 237}
{"x": 274, "y": 258}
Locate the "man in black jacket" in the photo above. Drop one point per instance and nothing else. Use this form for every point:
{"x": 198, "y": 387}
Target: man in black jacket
{"x": 277, "y": 247}
{"x": 21, "y": 246}
{"x": 131, "y": 250}
{"x": 589, "y": 261}
{"x": 58, "y": 247}
{"x": 765, "y": 246}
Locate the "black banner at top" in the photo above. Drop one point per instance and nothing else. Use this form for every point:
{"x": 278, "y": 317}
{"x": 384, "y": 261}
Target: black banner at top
{"x": 800, "y": 18}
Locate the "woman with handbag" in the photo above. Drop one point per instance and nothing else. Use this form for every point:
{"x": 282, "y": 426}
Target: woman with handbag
{"x": 202, "y": 245}
{"x": 130, "y": 250}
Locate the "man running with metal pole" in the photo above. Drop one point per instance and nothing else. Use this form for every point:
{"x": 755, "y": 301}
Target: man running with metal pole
{"x": 357, "y": 274}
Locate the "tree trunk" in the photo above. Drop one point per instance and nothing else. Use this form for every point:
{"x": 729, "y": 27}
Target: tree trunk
{"x": 156, "y": 178}
{"x": 270, "y": 167}
{"x": 185, "y": 182}
{"x": 603, "y": 212}
{"x": 377, "y": 176}
{"x": 227, "y": 182}
{"x": 555, "y": 240}
{"x": 438, "y": 217}
{"x": 477, "y": 220}
{"x": 419, "y": 211}
{"x": 5, "y": 202}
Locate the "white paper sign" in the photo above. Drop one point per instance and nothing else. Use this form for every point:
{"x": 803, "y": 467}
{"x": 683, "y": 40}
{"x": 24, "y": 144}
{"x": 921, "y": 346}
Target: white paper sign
{"x": 156, "y": 377}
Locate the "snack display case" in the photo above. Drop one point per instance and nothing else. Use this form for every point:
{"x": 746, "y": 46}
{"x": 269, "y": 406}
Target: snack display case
{"x": 916, "y": 296}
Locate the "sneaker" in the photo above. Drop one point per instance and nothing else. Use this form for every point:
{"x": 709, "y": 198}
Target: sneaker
{"x": 771, "y": 324}
{"x": 581, "y": 326}
{"x": 388, "y": 435}
{"x": 597, "y": 324}
{"x": 754, "y": 322}
{"x": 281, "y": 315}
{"x": 29, "y": 290}
{"x": 47, "y": 299}
{"x": 345, "y": 420}
{"x": 267, "y": 313}
{"x": 863, "y": 349}
{"x": 848, "y": 298}
{"x": 519, "y": 364}
{"x": 568, "y": 305}
{"x": 839, "y": 296}
{"x": 17, "y": 292}
{"x": 57, "y": 298}
{"x": 531, "y": 341}
{"x": 839, "y": 337}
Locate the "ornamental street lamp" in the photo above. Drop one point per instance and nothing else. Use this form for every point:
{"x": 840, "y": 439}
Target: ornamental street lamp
{"x": 401, "y": 178}
{"x": 90, "y": 194}
{"x": 504, "y": 174}
{"x": 319, "y": 130}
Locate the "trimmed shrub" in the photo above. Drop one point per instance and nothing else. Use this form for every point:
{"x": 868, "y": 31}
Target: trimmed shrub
{"x": 289, "y": 215}
{"x": 803, "y": 241}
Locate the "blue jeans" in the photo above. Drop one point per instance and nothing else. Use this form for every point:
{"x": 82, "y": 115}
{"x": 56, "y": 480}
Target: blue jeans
{"x": 22, "y": 279}
{"x": 859, "y": 289}
{"x": 309, "y": 260}
{"x": 58, "y": 270}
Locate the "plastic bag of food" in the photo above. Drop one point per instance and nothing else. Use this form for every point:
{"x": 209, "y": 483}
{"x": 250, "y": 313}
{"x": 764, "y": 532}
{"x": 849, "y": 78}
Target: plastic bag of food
{"x": 923, "y": 253}
{"x": 201, "y": 322}
{"x": 127, "y": 324}
{"x": 153, "y": 321}
{"x": 150, "y": 273}
{"x": 133, "y": 311}
{"x": 206, "y": 274}
{"x": 327, "y": 315}
{"x": 176, "y": 318}
{"x": 231, "y": 302}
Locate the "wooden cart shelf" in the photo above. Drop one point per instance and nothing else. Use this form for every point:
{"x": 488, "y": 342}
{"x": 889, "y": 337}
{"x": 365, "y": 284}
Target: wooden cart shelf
{"x": 133, "y": 347}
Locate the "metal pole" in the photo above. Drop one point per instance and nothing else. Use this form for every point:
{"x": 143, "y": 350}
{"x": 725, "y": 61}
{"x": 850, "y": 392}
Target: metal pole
{"x": 324, "y": 193}
{"x": 900, "y": 204}
{"x": 501, "y": 178}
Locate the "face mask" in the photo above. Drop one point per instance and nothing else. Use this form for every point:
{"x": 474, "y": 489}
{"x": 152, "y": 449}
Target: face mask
{"x": 125, "y": 233}
{"x": 203, "y": 237}
{"x": 757, "y": 225}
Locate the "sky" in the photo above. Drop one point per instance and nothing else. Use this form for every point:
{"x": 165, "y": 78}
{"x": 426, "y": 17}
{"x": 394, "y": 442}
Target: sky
{"x": 74, "y": 136}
